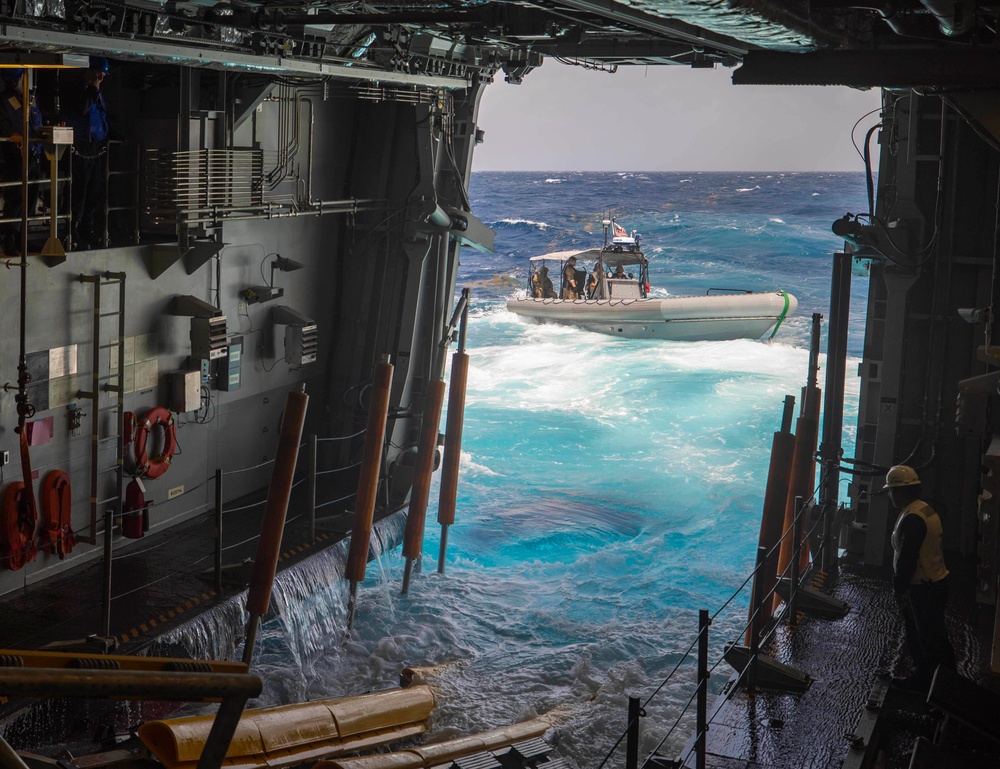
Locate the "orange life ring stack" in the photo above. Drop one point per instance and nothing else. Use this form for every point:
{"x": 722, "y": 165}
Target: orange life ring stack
{"x": 17, "y": 527}
{"x": 154, "y": 467}
{"x": 57, "y": 499}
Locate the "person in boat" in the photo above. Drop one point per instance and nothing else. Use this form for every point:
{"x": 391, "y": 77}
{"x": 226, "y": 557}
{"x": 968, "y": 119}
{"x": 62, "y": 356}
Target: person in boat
{"x": 594, "y": 281}
{"x": 570, "y": 288}
{"x": 620, "y": 273}
{"x": 541, "y": 284}
{"x": 920, "y": 579}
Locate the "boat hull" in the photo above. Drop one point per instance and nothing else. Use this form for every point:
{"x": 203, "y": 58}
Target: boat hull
{"x": 679, "y": 318}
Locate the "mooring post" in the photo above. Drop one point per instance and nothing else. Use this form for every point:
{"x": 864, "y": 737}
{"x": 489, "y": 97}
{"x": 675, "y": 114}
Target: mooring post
{"x": 218, "y": 530}
{"x": 793, "y": 574}
{"x": 700, "y": 743}
{"x": 632, "y": 730}
{"x": 311, "y": 500}
{"x": 757, "y": 604}
{"x": 109, "y": 522}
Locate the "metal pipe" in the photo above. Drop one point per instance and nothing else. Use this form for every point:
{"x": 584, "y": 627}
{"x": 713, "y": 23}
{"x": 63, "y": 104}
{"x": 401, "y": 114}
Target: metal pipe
{"x": 371, "y": 467}
{"x": 218, "y": 530}
{"x": 9, "y": 759}
{"x": 632, "y": 730}
{"x": 109, "y": 517}
{"x": 702, "y": 706}
{"x": 172, "y": 686}
{"x": 272, "y": 528}
{"x": 830, "y": 448}
{"x": 22, "y": 366}
{"x": 426, "y": 450}
{"x": 452, "y": 450}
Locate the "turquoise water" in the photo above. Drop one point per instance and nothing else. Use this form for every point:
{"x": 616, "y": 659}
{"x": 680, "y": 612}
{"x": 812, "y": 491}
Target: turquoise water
{"x": 610, "y": 488}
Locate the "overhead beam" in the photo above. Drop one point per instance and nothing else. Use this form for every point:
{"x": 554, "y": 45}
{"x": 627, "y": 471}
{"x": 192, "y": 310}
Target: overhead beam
{"x": 872, "y": 69}
{"x": 667, "y": 28}
{"x": 191, "y": 55}
{"x": 619, "y": 50}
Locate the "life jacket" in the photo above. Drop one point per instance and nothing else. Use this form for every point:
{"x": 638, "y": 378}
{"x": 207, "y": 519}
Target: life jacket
{"x": 930, "y": 564}
{"x": 57, "y": 497}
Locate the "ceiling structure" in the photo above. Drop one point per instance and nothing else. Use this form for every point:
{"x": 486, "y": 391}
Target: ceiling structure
{"x": 446, "y": 44}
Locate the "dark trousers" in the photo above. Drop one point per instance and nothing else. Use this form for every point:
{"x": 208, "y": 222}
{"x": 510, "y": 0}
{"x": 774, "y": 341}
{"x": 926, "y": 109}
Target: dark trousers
{"x": 926, "y": 634}
{"x": 90, "y": 193}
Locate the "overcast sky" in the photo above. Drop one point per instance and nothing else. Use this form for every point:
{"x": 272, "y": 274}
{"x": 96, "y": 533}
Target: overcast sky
{"x": 667, "y": 118}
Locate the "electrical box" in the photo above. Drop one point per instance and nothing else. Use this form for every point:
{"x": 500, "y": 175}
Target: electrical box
{"x": 184, "y": 391}
{"x": 301, "y": 344}
{"x": 208, "y": 337}
{"x": 229, "y": 378}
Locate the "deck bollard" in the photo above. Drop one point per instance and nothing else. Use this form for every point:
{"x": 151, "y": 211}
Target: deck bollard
{"x": 757, "y": 605}
{"x": 632, "y": 730}
{"x": 793, "y": 574}
{"x": 700, "y": 744}
{"x": 109, "y": 522}
{"x": 218, "y": 530}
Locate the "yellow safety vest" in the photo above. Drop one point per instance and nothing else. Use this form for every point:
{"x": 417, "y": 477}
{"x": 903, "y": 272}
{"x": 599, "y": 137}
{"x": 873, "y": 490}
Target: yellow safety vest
{"x": 930, "y": 564}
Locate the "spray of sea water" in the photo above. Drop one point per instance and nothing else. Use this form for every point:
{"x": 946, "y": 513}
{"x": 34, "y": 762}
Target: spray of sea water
{"x": 609, "y": 489}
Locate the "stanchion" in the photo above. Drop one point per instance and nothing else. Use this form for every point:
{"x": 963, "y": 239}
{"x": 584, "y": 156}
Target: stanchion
{"x": 311, "y": 497}
{"x": 632, "y": 741}
{"x": 218, "y": 530}
{"x": 413, "y": 537}
{"x": 109, "y": 522}
{"x": 702, "y": 713}
{"x": 793, "y": 574}
{"x": 756, "y": 606}
{"x": 272, "y": 528}
{"x": 371, "y": 465}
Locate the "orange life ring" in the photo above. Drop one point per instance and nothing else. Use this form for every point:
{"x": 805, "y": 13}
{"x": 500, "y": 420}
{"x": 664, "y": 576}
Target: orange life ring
{"x": 154, "y": 467}
{"x": 18, "y": 527}
{"x": 57, "y": 499}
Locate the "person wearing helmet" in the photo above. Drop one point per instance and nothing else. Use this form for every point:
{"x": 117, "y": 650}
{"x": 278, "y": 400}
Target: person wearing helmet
{"x": 11, "y": 128}
{"x": 920, "y": 579}
{"x": 88, "y": 114}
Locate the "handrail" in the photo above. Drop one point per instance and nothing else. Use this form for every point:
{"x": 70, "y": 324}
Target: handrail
{"x": 806, "y": 505}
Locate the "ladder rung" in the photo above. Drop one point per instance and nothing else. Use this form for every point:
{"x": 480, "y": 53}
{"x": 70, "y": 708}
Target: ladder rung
{"x": 113, "y": 344}
{"x": 109, "y": 499}
{"x": 109, "y": 438}
{"x": 116, "y": 313}
{"x": 85, "y": 394}
{"x": 110, "y": 388}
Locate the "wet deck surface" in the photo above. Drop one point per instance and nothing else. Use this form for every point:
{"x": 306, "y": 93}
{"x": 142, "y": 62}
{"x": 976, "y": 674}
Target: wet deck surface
{"x": 158, "y": 581}
{"x": 813, "y": 730}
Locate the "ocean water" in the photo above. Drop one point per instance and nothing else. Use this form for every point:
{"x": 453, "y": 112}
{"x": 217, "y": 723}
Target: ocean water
{"x": 610, "y": 488}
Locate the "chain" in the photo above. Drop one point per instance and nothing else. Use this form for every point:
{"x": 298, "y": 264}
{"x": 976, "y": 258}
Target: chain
{"x": 79, "y": 154}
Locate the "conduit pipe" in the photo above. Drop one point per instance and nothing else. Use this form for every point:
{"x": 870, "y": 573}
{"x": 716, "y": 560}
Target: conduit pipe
{"x": 278, "y": 493}
{"x": 371, "y": 465}
{"x": 453, "y": 435}
{"x": 413, "y": 538}
{"x": 772, "y": 518}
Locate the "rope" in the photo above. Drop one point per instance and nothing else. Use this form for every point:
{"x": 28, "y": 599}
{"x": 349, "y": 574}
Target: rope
{"x": 781, "y": 318}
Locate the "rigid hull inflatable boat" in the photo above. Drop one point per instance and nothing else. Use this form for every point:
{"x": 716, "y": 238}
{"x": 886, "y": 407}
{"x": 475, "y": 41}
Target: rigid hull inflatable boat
{"x": 614, "y": 298}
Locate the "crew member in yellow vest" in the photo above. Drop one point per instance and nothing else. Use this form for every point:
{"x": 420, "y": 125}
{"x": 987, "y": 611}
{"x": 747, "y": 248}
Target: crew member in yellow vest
{"x": 920, "y": 579}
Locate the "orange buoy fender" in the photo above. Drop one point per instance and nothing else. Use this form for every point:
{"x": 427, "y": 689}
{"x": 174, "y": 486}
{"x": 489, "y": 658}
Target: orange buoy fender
{"x": 57, "y": 499}
{"x": 18, "y": 527}
{"x": 154, "y": 467}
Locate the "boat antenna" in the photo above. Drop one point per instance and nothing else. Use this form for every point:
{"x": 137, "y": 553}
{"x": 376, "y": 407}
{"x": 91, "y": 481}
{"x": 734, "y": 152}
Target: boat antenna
{"x": 606, "y": 223}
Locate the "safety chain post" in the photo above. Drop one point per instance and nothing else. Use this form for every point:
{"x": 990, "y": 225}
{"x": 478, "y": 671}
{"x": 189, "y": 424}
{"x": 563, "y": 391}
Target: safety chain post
{"x": 218, "y": 530}
{"x": 702, "y": 716}
{"x": 755, "y": 620}
{"x": 109, "y": 521}
{"x": 793, "y": 574}
{"x": 632, "y": 742}
{"x": 311, "y": 500}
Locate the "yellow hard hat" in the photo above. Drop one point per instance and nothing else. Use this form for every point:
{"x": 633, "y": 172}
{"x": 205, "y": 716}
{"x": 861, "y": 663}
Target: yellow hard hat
{"x": 901, "y": 475}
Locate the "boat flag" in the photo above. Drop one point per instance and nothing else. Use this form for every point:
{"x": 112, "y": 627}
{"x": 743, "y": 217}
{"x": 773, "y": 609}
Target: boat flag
{"x": 617, "y": 230}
